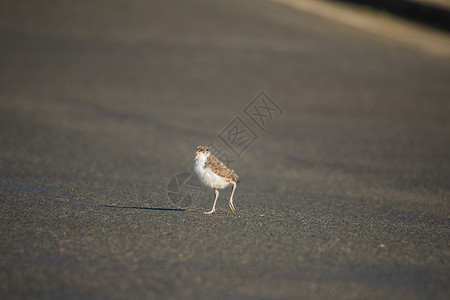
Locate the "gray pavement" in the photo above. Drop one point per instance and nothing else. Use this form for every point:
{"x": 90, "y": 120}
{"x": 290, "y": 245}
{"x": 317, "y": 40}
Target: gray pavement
{"x": 343, "y": 196}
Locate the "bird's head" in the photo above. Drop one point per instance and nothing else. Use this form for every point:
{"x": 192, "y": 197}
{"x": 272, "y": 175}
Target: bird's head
{"x": 201, "y": 150}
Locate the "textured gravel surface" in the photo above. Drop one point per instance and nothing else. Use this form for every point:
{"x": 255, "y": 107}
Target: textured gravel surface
{"x": 343, "y": 196}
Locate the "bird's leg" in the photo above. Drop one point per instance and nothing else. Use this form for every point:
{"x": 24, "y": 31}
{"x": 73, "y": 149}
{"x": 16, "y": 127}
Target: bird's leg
{"x": 231, "y": 197}
{"x": 213, "y": 210}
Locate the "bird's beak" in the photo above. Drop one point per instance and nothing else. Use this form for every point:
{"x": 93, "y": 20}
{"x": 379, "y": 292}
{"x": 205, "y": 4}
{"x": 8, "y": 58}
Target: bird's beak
{"x": 197, "y": 156}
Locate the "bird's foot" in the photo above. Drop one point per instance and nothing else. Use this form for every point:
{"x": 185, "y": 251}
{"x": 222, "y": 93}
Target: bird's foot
{"x": 231, "y": 206}
{"x": 213, "y": 211}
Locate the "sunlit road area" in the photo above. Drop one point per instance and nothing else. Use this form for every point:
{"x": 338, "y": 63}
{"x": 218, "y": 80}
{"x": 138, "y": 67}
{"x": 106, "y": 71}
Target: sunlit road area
{"x": 340, "y": 137}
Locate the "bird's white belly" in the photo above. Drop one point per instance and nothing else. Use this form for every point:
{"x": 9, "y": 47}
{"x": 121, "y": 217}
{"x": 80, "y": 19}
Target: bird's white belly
{"x": 209, "y": 178}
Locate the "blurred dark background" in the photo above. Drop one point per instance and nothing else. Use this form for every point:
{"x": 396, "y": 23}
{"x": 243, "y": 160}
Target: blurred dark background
{"x": 434, "y": 13}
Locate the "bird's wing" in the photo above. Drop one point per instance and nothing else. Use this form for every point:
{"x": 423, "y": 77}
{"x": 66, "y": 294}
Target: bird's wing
{"x": 220, "y": 169}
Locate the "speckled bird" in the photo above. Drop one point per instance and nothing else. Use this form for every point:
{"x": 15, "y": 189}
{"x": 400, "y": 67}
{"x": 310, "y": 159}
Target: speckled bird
{"x": 214, "y": 174}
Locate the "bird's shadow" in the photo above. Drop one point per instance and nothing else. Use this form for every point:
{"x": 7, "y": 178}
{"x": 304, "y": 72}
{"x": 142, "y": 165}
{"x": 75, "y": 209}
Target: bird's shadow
{"x": 149, "y": 208}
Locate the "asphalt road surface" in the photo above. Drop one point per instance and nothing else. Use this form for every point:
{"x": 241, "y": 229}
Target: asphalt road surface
{"x": 345, "y": 185}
